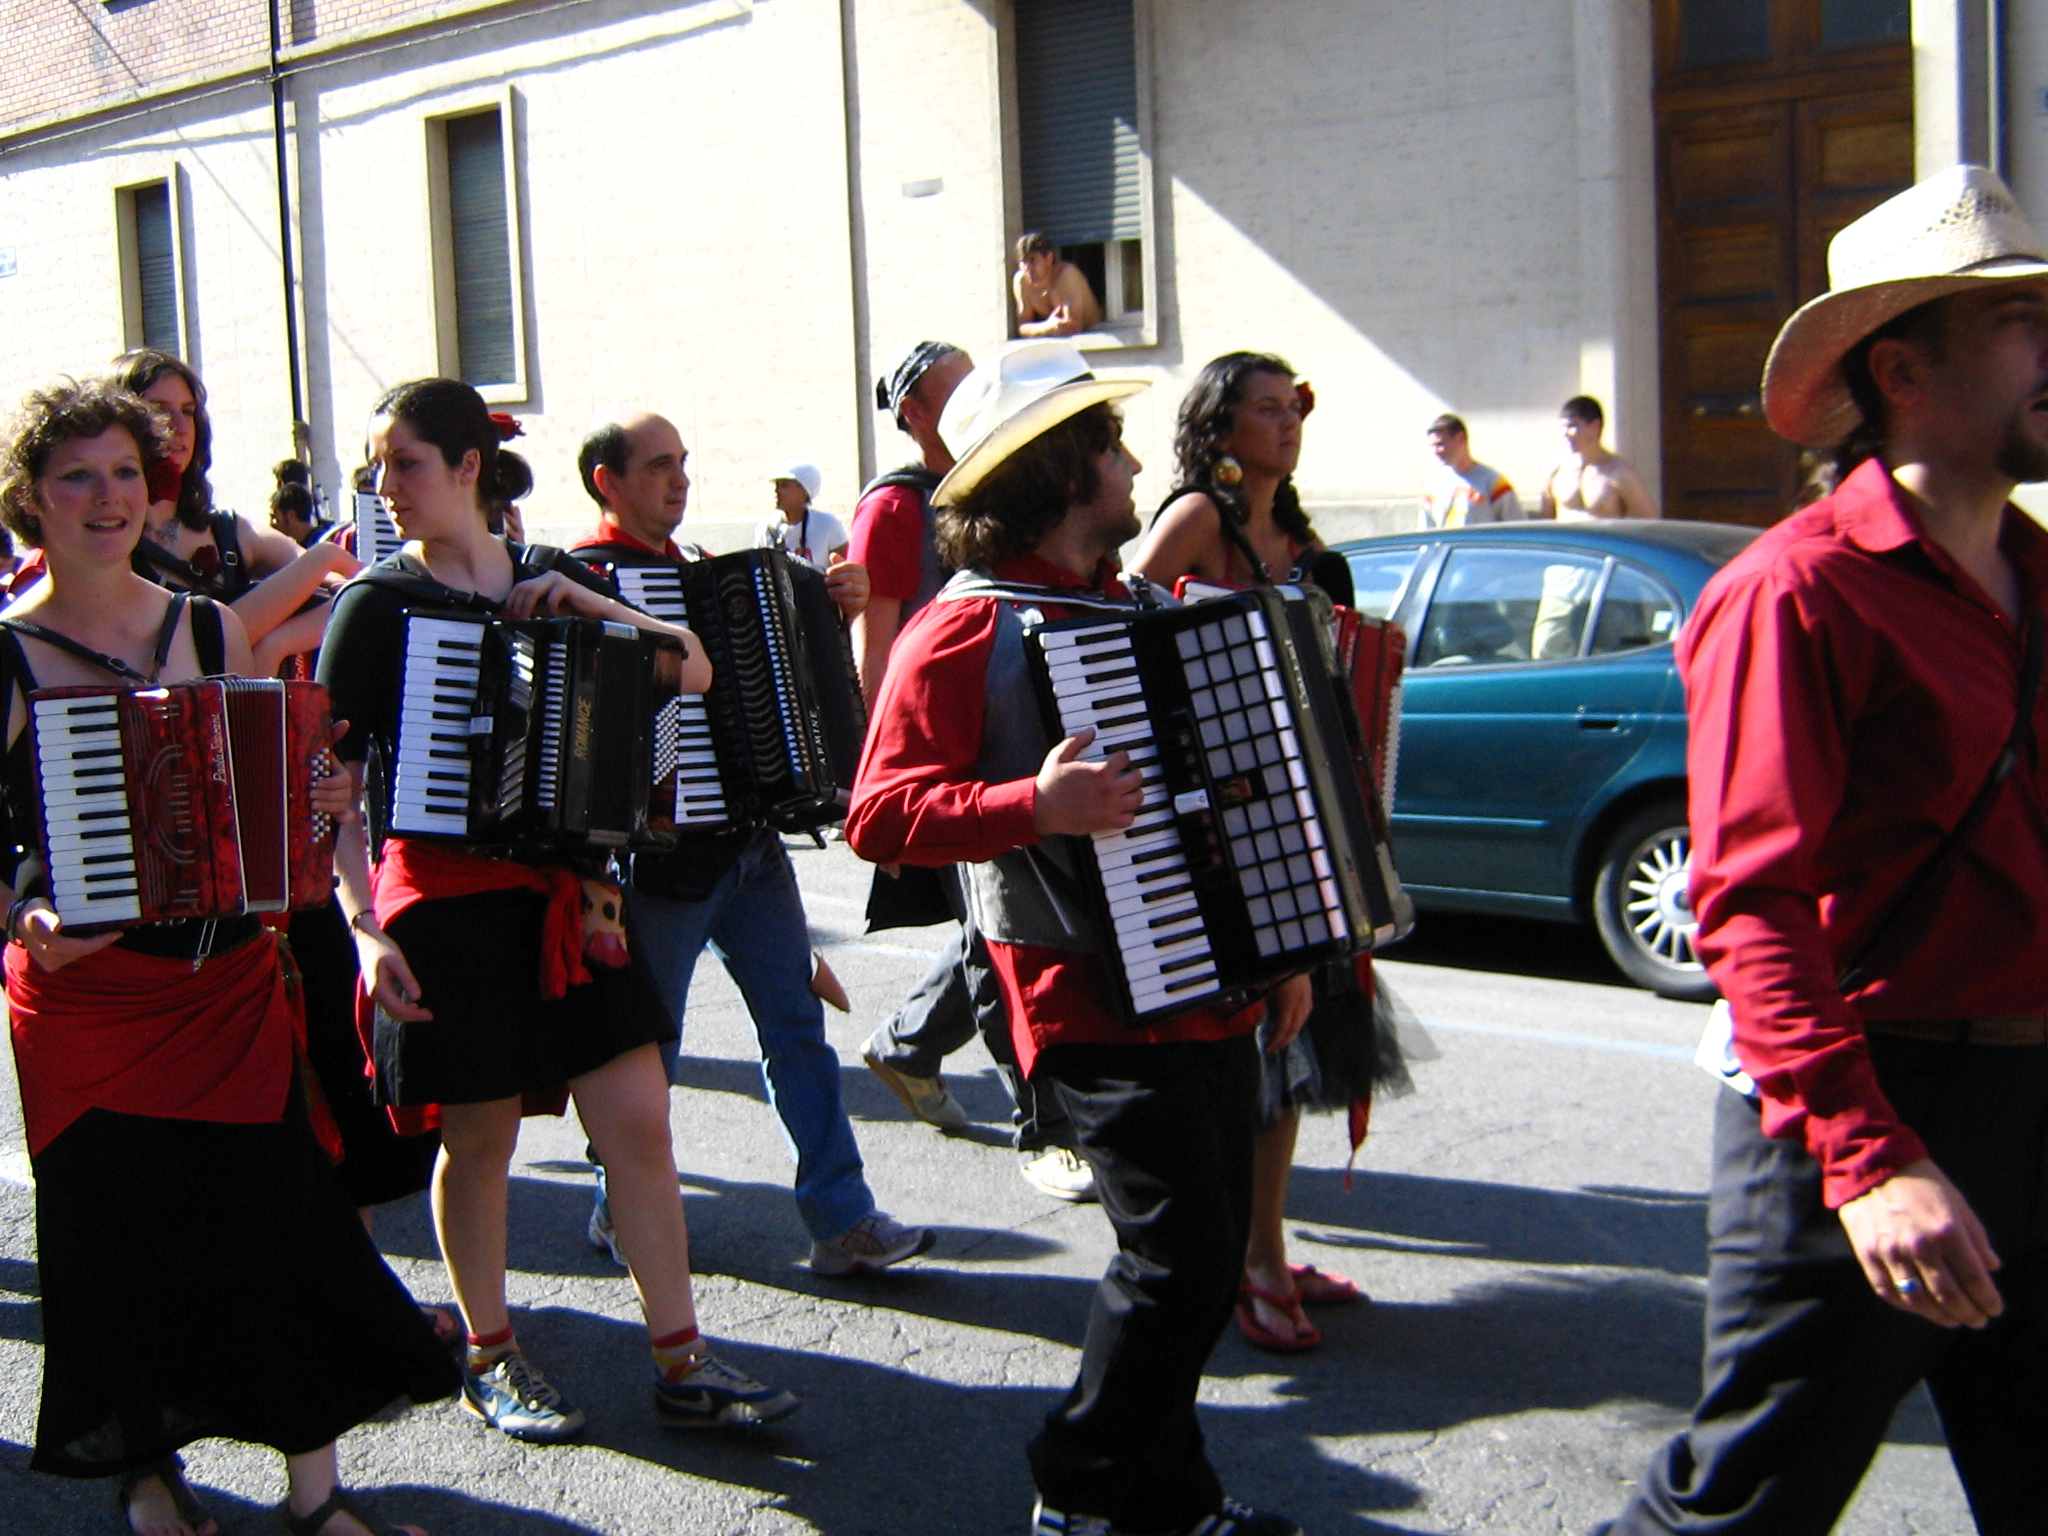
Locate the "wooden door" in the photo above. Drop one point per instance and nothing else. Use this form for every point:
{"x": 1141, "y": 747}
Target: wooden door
{"x": 1760, "y": 160}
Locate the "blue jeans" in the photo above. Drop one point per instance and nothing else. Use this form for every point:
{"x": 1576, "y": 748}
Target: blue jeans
{"x": 754, "y": 922}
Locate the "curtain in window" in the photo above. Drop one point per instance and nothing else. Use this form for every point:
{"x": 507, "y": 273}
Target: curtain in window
{"x": 1077, "y": 119}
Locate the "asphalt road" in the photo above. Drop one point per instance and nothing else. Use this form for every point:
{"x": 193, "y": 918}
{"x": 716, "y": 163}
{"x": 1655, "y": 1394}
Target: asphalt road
{"x": 1529, "y": 1224}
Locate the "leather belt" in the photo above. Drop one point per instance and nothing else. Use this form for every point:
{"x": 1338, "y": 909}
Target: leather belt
{"x": 2028, "y": 1029}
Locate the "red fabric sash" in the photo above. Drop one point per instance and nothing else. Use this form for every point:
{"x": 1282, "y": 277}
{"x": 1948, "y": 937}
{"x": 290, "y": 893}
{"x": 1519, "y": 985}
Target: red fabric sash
{"x": 413, "y": 871}
{"x": 144, "y": 1035}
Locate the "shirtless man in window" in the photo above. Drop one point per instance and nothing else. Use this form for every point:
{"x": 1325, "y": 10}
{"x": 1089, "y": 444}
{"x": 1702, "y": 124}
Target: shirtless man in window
{"x": 1587, "y": 480}
{"x": 1053, "y": 296}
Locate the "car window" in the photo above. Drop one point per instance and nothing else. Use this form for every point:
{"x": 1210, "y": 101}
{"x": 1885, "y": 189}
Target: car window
{"x": 1378, "y": 577}
{"x": 1501, "y": 605}
{"x": 1635, "y": 611}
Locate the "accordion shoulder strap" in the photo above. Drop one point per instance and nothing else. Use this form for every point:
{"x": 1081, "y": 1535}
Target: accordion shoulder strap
{"x": 1021, "y": 592}
{"x": 209, "y": 637}
{"x": 114, "y": 664}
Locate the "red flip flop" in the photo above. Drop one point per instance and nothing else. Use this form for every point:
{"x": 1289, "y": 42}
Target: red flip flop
{"x": 1306, "y": 1335}
{"x": 1319, "y": 1288}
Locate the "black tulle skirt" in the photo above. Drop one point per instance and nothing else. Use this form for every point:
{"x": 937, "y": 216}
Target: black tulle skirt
{"x": 204, "y": 1280}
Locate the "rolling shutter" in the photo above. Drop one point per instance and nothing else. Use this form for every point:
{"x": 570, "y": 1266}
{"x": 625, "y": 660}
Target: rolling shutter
{"x": 480, "y": 243}
{"x": 156, "y": 268}
{"x": 1077, "y": 119}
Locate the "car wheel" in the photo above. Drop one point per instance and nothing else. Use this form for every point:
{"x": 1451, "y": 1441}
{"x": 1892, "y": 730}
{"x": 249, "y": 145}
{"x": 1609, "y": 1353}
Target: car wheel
{"x": 1642, "y": 908}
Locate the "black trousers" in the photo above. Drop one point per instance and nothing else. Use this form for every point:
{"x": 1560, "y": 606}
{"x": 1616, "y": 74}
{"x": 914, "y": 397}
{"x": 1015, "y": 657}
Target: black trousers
{"x": 1804, "y": 1365}
{"x": 1168, "y": 1130}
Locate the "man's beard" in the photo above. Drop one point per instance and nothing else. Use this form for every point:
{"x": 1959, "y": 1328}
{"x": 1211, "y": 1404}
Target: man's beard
{"x": 2022, "y": 456}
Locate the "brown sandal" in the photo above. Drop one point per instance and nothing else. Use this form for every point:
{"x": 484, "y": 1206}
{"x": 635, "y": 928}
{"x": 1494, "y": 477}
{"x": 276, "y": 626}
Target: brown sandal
{"x": 171, "y": 1472}
{"x": 342, "y": 1502}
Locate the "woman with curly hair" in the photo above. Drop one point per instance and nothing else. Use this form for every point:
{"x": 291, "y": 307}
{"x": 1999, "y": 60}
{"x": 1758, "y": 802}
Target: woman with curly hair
{"x": 263, "y": 575}
{"x": 202, "y": 1273}
{"x": 1234, "y": 520}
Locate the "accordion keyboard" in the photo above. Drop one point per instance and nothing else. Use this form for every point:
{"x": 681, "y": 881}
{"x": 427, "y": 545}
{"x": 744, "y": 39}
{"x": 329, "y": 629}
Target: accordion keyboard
{"x": 377, "y": 537}
{"x": 682, "y": 731}
{"x": 85, "y": 809}
{"x": 431, "y": 777}
{"x": 554, "y": 714}
{"x": 1147, "y": 882}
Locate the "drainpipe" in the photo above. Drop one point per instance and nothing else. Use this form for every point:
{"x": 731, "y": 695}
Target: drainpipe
{"x": 284, "y": 230}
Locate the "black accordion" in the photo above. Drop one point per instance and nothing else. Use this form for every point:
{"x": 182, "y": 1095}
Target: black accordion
{"x": 527, "y": 735}
{"x": 777, "y": 737}
{"x": 377, "y": 537}
{"x": 1255, "y": 854}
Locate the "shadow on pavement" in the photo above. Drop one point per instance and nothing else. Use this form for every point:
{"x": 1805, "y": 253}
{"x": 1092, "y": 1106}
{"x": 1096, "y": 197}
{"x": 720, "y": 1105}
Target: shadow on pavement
{"x": 980, "y": 1093}
{"x": 1514, "y": 946}
{"x": 50, "y": 1504}
{"x": 1628, "y": 1229}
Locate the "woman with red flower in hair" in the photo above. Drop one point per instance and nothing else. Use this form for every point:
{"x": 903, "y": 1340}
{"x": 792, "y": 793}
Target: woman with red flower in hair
{"x": 1235, "y": 520}
{"x": 264, "y": 576}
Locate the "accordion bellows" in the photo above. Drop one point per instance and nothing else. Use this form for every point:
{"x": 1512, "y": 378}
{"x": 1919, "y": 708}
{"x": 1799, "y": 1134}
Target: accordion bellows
{"x": 188, "y": 801}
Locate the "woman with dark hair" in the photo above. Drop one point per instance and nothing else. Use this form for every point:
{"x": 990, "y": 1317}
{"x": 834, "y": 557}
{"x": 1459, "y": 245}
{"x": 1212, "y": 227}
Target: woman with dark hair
{"x": 1234, "y": 520}
{"x": 190, "y": 547}
{"x": 486, "y": 1004}
{"x": 202, "y": 1273}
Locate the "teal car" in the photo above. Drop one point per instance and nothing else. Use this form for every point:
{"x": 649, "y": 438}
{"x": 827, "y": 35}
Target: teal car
{"x": 1541, "y": 767}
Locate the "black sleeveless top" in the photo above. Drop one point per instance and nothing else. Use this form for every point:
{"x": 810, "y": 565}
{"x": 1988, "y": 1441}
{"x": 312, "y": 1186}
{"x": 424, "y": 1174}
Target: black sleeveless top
{"x": 154, "y": 563}
{"x": 175, "y": 940}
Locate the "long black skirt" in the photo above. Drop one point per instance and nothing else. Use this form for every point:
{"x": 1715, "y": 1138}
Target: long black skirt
{"x": 379, "y": 1164}
{"x": 203, "y": 1280}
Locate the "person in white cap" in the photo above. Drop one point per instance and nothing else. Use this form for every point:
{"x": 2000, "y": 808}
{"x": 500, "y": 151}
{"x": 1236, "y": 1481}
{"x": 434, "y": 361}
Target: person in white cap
{"x": 1869, "y": 809}
{"x": 960, "y": 769}
{"x": 816, "y": 538}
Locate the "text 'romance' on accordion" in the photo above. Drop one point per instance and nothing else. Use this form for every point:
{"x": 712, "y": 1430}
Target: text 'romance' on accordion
{"x": 531, "y": 734}
{"x": 1255, "y": 854}
{"x": 777, "y": 736}
{"x": 188, "y": 801}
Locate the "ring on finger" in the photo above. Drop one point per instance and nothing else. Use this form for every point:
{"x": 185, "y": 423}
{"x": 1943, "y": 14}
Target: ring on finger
{"x": 1909, "y": 1287}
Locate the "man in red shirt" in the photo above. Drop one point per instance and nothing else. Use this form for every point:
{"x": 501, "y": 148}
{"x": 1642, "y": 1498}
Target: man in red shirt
{"x": 1869, "y": 807}
{"x": 960, "y": 769}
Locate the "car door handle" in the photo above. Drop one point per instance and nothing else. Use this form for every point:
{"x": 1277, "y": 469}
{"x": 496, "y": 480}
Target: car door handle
{"x": 1599, "y": 722}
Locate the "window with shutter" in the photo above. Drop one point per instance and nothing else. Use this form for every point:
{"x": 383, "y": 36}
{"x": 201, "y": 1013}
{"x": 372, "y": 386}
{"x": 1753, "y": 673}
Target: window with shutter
{"x": 1080, "y": 150}
{"x": 151, "y": 303}
{"x": 156, "y": 269}
{"x": 479, "y": 236}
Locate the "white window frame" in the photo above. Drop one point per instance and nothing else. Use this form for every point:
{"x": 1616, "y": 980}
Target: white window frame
{"x": 171, "y": 178}
{"x": 1120, "y": 328}
{"x": 440, "y": 229}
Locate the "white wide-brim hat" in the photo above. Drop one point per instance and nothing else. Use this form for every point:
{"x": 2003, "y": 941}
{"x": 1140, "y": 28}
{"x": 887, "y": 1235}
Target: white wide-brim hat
{"x": 1953, "y": 232}
{"x": 803, "y": 472}
{"x": 1022, "y": 392}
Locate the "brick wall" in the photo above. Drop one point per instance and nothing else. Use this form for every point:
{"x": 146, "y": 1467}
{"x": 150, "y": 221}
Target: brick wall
{"x": 61, "y": 56}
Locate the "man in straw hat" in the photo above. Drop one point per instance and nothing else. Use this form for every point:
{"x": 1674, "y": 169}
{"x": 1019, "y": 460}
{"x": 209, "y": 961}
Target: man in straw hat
{"x": 1869, "y": 806}
{"x": 959, "y": 769}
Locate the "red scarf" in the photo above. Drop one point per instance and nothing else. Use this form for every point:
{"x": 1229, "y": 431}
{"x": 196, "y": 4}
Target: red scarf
{"x": 413, "y": 871}
{"x": 145, "y": 1035}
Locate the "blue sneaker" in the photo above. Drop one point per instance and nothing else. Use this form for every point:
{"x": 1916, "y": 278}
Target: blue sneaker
{"x": 715, "y": 1396}
{"x": 1050, "y": 1522}
{"x": 511, "y": 1395}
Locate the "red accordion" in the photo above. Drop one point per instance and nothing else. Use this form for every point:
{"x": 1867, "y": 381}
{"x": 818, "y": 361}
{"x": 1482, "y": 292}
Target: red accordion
{"x": 1373, "y": 653}
{"x": 192, "y": 800}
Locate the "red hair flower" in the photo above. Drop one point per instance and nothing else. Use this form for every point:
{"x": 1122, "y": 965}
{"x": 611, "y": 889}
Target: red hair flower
{"x": 1305, "y": 395}
{"x": 509, "y": 427}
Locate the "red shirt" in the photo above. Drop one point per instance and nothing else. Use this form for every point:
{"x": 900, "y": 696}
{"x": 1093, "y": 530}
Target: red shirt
{"x": 916, "y": 801}
{"x": 1849, "y": 687}
{"x": 888, "y": 538}
{"x": 609, "y": 532}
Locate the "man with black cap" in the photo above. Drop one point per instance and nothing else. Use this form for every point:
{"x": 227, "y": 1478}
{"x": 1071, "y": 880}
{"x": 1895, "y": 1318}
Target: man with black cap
{"x": 894, "y": 535}
{"x": 959, "y": 768}
{"x": 1869, "y": 808}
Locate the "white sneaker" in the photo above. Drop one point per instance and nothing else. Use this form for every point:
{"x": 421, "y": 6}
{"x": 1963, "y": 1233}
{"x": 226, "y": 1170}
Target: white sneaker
{"x": 876, "y": 1241}
{"x": 1061, "y": 1173}
{"x": 603, "y": 1236}
{"x": 928, "y": 1098}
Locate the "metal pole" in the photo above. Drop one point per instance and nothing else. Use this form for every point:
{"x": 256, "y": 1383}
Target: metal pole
{"x": 284, "y": 229}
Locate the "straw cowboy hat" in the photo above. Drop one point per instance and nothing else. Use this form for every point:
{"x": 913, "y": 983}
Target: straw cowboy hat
{"x": 1956, "y": 230}
{"x": 1025, "y": 390}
